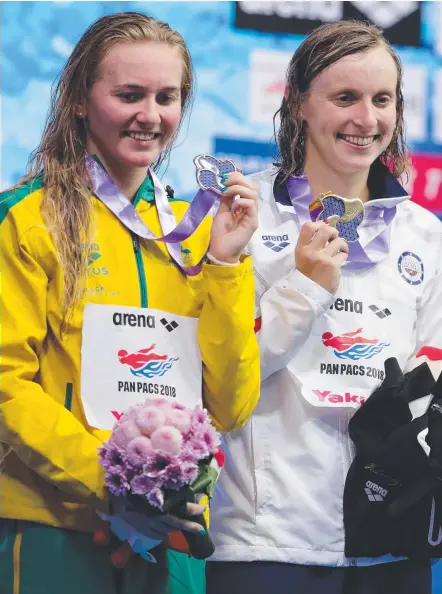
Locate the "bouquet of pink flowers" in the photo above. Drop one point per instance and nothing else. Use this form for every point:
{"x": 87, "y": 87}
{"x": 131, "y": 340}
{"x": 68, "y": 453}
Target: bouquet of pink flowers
{"x": 160, "y": 456}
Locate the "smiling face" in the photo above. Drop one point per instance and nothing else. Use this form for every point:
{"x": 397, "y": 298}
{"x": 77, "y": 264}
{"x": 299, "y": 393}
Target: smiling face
{"x": 134, "y": 107}
{"x": 350, "y": 112}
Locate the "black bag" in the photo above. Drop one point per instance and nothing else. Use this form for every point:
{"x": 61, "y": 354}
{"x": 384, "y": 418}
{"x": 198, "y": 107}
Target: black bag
{"x": 393, "y": 490}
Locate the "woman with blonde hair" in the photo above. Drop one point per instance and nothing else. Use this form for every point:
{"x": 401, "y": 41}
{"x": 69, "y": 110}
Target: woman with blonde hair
{"x": 67, "y": 257}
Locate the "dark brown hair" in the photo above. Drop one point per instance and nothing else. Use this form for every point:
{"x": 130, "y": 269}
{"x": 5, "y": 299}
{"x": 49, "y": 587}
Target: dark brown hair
{"x": 323, "y": 47}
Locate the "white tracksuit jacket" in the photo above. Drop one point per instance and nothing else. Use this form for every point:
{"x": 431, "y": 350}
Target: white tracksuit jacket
{"x": 280, "y": 495}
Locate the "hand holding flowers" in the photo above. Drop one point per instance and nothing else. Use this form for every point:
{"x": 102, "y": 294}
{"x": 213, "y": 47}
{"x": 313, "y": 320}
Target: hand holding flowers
{"x": 159, "y": 459}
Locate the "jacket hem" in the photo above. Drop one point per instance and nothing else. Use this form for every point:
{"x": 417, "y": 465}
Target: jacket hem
{"x": 80, "y": 519}
{"x": 247, "y": 553}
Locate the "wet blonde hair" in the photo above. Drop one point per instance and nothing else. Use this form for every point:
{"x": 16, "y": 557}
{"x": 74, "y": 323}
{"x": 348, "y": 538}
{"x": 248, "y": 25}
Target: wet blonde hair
{"x": 67, "y": 204}
{"x": 323, "y": 47}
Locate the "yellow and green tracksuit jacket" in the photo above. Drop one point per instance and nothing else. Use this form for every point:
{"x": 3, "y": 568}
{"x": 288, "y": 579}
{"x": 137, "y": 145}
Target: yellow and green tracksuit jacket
{"x": 52, "y": 475}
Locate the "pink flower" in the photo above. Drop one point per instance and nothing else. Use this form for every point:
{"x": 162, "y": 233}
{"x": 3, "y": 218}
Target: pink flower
{"x": 200, "y": 416}
{"x": 142, "y": 484}
{"x": 177, "y": 406}
{"x": 123, "y": 433}
{"x": 199, "y": 449}
{"x": 150, "y": 419}
{"x": 207, "y": 438}
{"x": 190, "y": 472}
{"x": 112, "y": 456}
{"x": 156, "y": 498}
{"x": 166, "y": 439}
{"x": 131, "y": 412}
{"x": 156, "y": 466}
{"x": 157, "y": 402}
{"x": 187, "y": 456}
{"x": 102, "y": 452}
{"x": 116, "y": 481}
{"x": 138, "y": 450}
{"x": 174, "y": 477}
{"x": 180, "y": 419}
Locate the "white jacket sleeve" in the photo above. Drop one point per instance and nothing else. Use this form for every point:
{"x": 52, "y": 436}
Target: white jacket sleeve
{"x": 287, "y": 312}
{"x": 428, "y": 329}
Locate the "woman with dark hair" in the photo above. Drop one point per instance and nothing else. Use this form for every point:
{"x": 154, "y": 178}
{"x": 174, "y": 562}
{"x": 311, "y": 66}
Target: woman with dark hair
{"x": 337, "y": 296}
{"x": 68, "y": 260}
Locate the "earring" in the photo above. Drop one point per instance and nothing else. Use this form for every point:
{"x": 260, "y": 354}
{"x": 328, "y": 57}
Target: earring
{"x": 301, "y": 137}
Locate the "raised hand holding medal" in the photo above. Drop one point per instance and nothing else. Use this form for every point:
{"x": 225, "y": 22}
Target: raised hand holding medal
{"x": 322, "y": 248}
{"x": 237, "y": 216}
{"x": 344, "y": 214}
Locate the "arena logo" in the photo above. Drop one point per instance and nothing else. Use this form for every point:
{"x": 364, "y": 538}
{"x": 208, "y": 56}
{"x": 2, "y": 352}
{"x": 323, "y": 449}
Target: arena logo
{"x": 386, "y": 14}
{"x": 376, "y": 488}
{"x": 276, "y": 242}
{"x": 133, "y": 320}
{"x": 374, "y": 492}
{"x": 400, "y": 21}
{"x": 348, "y": 305}
{"x": 321, "y": 11}
{"x": 286, "y": 17}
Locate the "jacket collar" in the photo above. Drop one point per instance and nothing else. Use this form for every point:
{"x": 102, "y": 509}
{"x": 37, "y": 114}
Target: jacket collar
{"x": 145, "y": 192}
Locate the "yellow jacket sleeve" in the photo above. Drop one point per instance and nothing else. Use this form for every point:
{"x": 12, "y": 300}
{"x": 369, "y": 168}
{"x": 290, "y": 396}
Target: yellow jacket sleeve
{"x": 228, "y": 345}
{"x": 41, "y": 431}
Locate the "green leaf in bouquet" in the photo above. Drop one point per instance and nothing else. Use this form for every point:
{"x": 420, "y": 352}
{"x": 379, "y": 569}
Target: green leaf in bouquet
{"x": 205, "y": 481}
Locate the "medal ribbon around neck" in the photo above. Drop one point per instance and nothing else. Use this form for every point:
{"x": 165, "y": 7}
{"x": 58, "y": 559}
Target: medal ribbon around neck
{"x": 307, "y": 208}
{"x": 208, "y": 175}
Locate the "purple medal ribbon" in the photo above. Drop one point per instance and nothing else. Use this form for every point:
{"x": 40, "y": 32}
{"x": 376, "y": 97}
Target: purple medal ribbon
{"x": 109, "y": 193}
{"x": 359, "y": 258}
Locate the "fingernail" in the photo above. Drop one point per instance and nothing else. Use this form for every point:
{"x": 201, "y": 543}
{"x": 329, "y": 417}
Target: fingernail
{"x": 325, "y": 221}
{"x": 202, "y": 532}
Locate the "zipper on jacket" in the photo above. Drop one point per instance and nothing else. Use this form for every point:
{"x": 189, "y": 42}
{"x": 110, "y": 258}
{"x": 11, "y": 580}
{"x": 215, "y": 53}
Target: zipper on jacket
{"x": 68, "y": 396}
{"x": 140, "y": 268}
